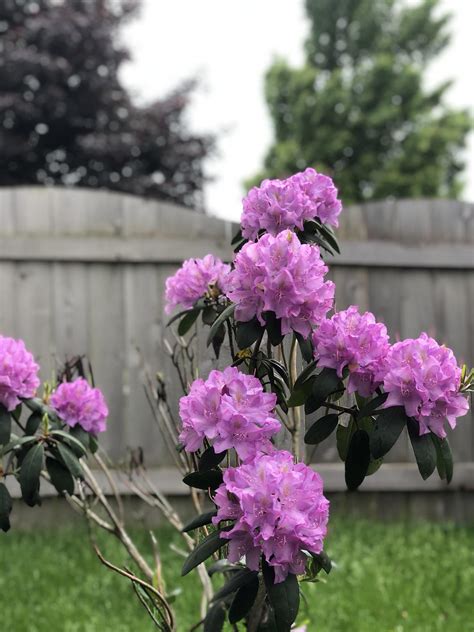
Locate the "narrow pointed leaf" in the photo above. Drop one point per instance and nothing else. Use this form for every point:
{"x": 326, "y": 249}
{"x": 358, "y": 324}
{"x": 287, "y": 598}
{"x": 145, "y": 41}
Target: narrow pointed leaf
{"x": 306, "y": 347}
{"x": 444, "y": 458}
{"x": 210, "y": 479}
{"x": 70, "y": 461}
{"x": 424, "y": 450}
{"x": 325, "y": 384}
{"x": 387, "y": 428}
{"x": 235, "y": 582}
{"x": 5, "y": 508}
{"x": 210, "y": 459}
{"x": 5, "y": 425}
{"x": 321, "y": 429}
{"x": 60, "y": 476}
{"x": 203, "y": 550}
{"x": 284, "y": 598}
{"x": 215, "y": 618}
{"x": 247, "y": 333}
{"x": 30, "y": 474}
{"x": 372, "y": 405}
{"x": 243, "y": 600}
{"x": 33, "y": 423}
{"x": 220, "y": 320}
{"x": 188, "y": 321}
{"x": 358, "y": 459}
{"x": 199, "y": 521}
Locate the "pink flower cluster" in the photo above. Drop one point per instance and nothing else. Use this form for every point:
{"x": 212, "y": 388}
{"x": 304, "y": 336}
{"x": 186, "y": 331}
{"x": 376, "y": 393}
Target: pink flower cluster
{"x": 231, "y": 410}
{"x": 281, "y": 275}
{"x": 353, "y": 340}
{"x": 279, "y": 509}
{"x": 18, "y": 372}
{"x": 280, "y": 204}
{"x": 424, "y": 377}
{"x": 195, "y": 279}
{"x": 77, "y": 403}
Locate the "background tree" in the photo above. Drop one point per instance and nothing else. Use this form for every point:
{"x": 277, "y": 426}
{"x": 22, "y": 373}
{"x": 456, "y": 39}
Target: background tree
{"x": 358, "y": 108}
{"x": 66, "y": 118}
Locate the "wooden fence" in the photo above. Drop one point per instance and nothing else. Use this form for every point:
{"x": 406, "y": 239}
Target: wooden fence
{"x": 83, "y": 272}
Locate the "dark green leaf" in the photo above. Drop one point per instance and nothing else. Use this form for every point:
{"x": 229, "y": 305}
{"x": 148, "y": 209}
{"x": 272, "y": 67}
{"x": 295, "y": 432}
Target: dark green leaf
{"x": 70, "y": 460}
{"x": 284, "y": 598}
{"x": 81, "y": 435}
{"x": 16, "y": 443}
{"x": 444, "y": 458}
{"x": 218, "y": 340}
{"x": 30, "y": 474}
{"x": 203, "y": 550}
{"x": 220, "y": 320}
{"x": 215, "y": 617}
{"x": 177, "y": 316}
{"x": 306, "y": 347}
{"x": 209, "y": 459}
{"x": 321, "y": 429}
{"x": 209, "y": 315}
{"x": 323, "y": 561}
{"x": 305, "y": 373}
{"x": 5, "y": 425}
{"x": 358, "y": 459}
{"x": 5, "y": 508}
{"x": 325, "y": 384}
{"x": 237, "y": 237}
{"x": 76, "y": 446}
{"x": 241, "y": 578}
{"x": 273, "y": 326}
{"x": 188, "y": 321}
{"x": 16, "y": 414}
{"x": 243, "y": 600}
{"x": 248, "y": 333}
{"x": 211, "y": 479}
{"x": 387, "y": 428}
{"x": 329, "y": 237}
{"x": 423, "y": 448}
{"x": 223, "y": 566}
{"x": 278, "y": 368}
{"x": 299, "y": 396}
{"x": 343, "y": 438}
{"x": 199, "y": 521}
{"x": 33, "y": 423}
{"x": 61, "y": 478}
{"x": 372, "y": 405}
{"x": 94, "y": 443}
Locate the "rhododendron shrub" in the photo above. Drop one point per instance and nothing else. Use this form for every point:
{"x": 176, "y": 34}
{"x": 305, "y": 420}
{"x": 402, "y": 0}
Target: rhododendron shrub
{"x": 242, "y": 430}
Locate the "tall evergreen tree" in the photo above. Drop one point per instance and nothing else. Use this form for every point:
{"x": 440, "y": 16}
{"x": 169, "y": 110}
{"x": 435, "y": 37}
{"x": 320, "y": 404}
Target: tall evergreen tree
{"x": 358, "y": 108}
{"x": 66, "y": 118}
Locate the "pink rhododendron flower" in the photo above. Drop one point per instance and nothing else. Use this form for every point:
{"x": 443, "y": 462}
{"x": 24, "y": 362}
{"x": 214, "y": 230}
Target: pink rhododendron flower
{"x": 424, "y": 377}
{"x": 279, "y": 509}
{"x": 353, "y": 340}
{"x": 193, "y": 280}
{"x": 281, "y": 275}
{"x": 231, "y": 410}
{"x": 78, "y": 403}
{"x": 277, "y": 205}
{"x": 18, "y": 372}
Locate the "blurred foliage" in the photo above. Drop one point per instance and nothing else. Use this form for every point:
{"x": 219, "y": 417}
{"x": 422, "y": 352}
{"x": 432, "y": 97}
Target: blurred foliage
{"x": 358, "y": 109}
{"x": 66, "y": 118}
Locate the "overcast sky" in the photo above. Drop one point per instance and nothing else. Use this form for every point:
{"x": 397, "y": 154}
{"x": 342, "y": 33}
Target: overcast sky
{"x": 229, "y": 46}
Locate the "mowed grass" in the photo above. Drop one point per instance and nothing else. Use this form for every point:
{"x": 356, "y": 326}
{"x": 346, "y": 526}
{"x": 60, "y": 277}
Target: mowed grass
{"x": 388, "y": 578}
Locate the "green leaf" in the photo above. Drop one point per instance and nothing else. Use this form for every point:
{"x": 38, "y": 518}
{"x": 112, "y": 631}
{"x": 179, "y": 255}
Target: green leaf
{"x": 241, "y": 578}
{"x": 223, "y": 566}
{"x": 276, "y": 367}
{"x": 329, "y": 237}
{"x": 343, "y": 438}
{"x": 215, "y": 617}
{"x": 306, "y": 347}
{"x": 5, "y": 508}
{"x": 177, "y": 316}
{"x": 237, "y": 237}
{"x": 209, "y": 315}
{"x": 358, "y": 459}
{"x": 220, "y": 320}
{"x": 33, "y": 423}
{"x": 323, "y": 561}
{"x": 203, "y": 550}
{"x": 16, "y": 443}
{"x": 444, "y": 458}
{"x": 93, "y": 443}
{"x": 70, "y": 461}
{"x": 325, "y": 384}
{"x": 81, "y": 435}
{"x": 423, "y": 448}
{"x": 305, "y": 373}
{"x": 61, "y": 478}
{"x": 372, "y": 405}
{"x": 30, "y": 474}
{"x": 210, "y": 479}
{"x": 210, "y": 459}
{"x": 299, "y": 396}
{"x": 76, "y": 446}
{"x": 273, "y": 326}
{"x": 321, "y": 429}
{"x": 248, "y": 333}
{"x": 5, "y": 425}
{"x": 199, "y": 521}
{"x": 387, "y": 428}
{"x": 243, "y": 600}
{"x": 188, "y": 321}
{"x": 284, "y": 598}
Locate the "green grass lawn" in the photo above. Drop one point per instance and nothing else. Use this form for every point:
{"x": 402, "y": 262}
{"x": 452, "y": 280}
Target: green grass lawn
{"x": 388, "y": 577}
